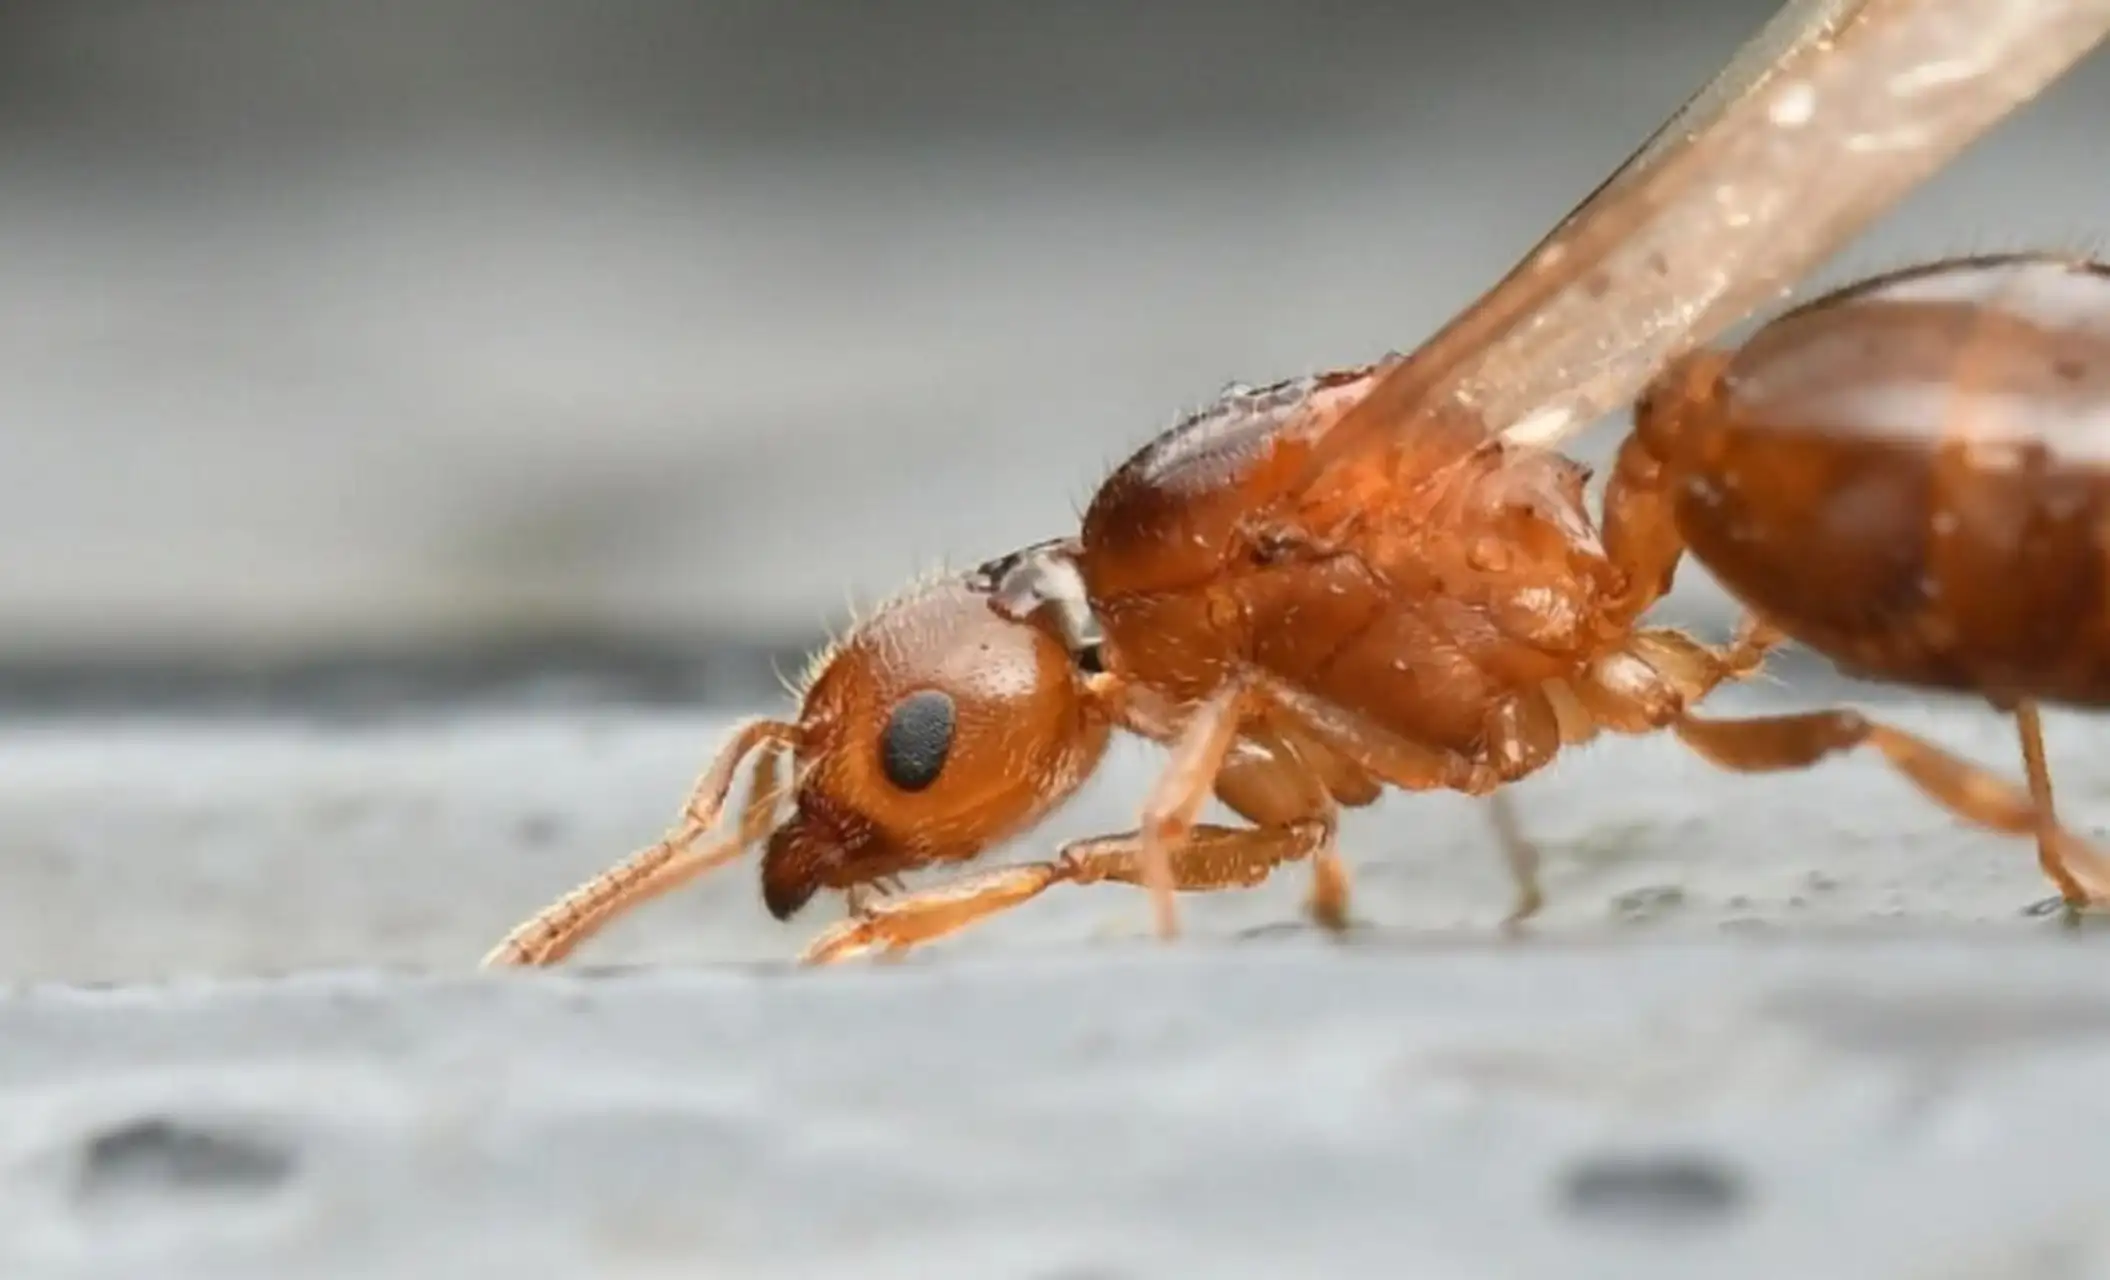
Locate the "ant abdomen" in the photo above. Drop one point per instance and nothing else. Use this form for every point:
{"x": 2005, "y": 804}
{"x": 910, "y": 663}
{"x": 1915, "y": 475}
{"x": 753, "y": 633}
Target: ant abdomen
{"x": 1908, "y": 475}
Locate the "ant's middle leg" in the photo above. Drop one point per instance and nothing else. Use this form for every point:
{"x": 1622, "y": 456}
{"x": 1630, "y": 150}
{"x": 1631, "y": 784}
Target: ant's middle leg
{"x": 1519, "y": 855}
{"x": 1279, "y": 777}
{"x": 1637, "y": 689}
{"x": 1521, "y": 737}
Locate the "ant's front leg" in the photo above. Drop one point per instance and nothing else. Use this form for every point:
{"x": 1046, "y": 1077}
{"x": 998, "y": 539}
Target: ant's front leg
{"x": 1206, "y": 859}
{"x": 1199, "y": 751}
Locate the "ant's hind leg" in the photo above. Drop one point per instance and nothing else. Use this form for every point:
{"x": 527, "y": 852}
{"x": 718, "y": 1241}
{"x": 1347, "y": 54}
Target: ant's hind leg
{"x": 1206, "y": 859}
{"x": 1769, "y": 744}
{"x": 2031, "y": 729}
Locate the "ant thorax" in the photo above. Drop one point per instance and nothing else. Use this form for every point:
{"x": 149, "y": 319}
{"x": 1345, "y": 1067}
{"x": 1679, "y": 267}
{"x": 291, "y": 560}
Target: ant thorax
{"x": 1043, "y": 582}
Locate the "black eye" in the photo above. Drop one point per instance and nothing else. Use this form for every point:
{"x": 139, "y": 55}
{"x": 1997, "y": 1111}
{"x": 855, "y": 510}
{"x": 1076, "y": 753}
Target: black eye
{"x": 917, "y": 739}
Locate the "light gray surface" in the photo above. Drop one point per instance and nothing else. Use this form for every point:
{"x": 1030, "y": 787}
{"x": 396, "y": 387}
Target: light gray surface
{"x": 1728, "y": 1109}
{"x": 1799, "y": 1025}
{"x": 330, "y": 325}
{"x": 210, "y": 847}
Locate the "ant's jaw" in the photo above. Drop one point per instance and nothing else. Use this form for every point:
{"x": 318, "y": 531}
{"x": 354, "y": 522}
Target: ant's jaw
{"x": 793, "y": 866}
{"x": 805, "y": 855}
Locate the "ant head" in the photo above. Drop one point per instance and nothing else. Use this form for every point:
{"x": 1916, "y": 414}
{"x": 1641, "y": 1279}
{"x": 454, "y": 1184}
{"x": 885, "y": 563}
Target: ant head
{"x": 959, "y": 714}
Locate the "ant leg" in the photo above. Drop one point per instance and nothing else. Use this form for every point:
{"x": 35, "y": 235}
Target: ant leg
{"x": 1328, "y": 903}
{"x": 1639, "y": 532}
{"x": 1181, "y": 790}
{"x": 1520, "y": 856}
{"x": 555, "y": 931}
{"x": 2031, "y": 729}
{"x": 1775, "y": 743}
{"x": 1633, "y": 690}
{"x": 1637, "y": 689}
{"x": 1648, "y": 683}
{"x": 1522, "y": 737}
{"x": 1284, "y": 778}
{"x": 1206, "y": 858}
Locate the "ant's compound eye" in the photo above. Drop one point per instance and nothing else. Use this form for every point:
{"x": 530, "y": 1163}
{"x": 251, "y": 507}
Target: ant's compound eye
{"x": 917, "y": 738}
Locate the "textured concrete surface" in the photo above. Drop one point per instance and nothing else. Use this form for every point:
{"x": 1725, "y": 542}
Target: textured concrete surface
{"x": 1730, "y": 1108}
{"x": 1799, "y": 1025}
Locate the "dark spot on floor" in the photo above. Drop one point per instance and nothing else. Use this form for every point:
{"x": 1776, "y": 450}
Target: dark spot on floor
{"x": 538, "y": 830}
{"x": 1648, "y": 903}
{"x": 1652, "y": 1190}
{"x": 1280, "y": 929}
{"x": 160, "y": 1156}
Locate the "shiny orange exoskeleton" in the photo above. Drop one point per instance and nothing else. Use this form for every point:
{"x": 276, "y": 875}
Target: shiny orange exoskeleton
{"x": 1299, "y": 648}
{"x": 1385, "y": 577}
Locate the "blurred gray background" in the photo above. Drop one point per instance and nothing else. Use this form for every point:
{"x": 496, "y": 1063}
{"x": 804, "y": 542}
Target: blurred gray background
{"x": 484, "y": 326}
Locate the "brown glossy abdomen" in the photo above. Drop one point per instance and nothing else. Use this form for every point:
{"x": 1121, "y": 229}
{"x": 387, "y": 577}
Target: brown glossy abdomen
{"x": 1910, "y": 478}
{"x": 1416, "y": 604}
